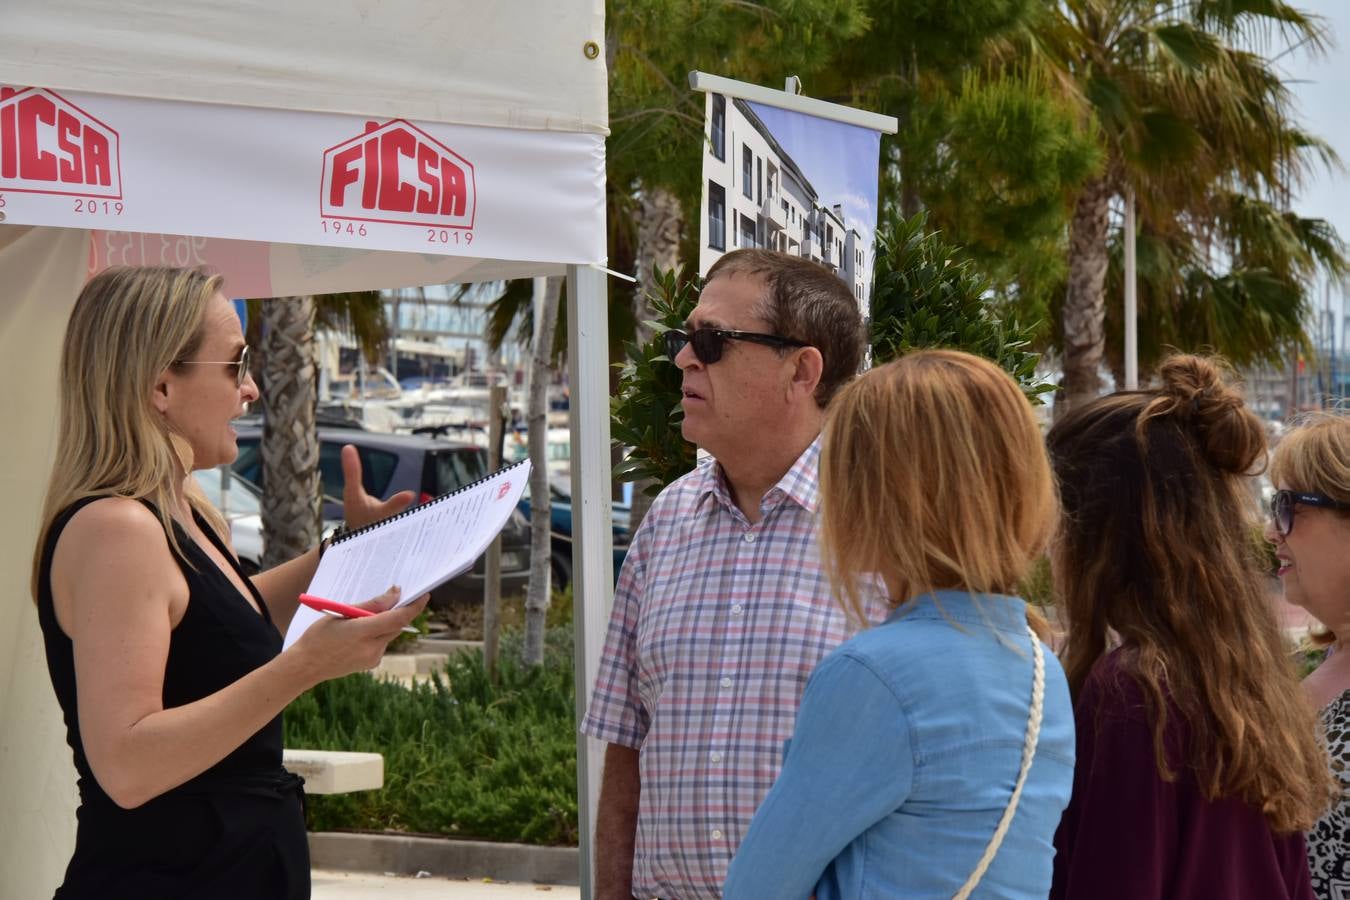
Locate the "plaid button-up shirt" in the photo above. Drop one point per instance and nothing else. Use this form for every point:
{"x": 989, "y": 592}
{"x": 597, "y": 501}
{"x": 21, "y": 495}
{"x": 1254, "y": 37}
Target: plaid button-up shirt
{"x": 717, "y": 624}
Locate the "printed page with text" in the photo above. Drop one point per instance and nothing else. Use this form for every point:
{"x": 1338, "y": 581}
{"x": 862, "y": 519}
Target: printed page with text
{"x": 418, "y": 549}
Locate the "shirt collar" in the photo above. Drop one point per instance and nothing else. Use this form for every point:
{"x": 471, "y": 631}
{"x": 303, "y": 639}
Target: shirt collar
{"x": 1001, "y": 611}
{"x": 800, "y": 483}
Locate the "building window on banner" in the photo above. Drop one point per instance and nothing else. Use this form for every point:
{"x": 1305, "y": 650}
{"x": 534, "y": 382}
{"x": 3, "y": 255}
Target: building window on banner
{"x": 719, "y": 127}
{"x": 717, "y": 216}
{"x": 748, "y": 232}
{"x": 747, "y": 171}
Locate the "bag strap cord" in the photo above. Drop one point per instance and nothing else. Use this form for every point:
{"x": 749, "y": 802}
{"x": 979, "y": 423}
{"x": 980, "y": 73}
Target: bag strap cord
{"x": 1033, "y": 736}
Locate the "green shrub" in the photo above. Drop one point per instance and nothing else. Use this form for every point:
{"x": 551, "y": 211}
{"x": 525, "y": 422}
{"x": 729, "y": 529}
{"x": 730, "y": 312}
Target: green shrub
{"x": 923, "y": 297}
{"x": 1038, "y": 587}
{"x": 1263, "y": 551}
{"x": 464, "y": 619}
{"x": 405, "y": 641}
{"x": 1307, "y": 658}
{"x": 645, "y": 413}
{"x": 462, "y": 757}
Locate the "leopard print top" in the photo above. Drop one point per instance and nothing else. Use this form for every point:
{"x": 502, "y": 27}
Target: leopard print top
{"x": 1329, "y": 839}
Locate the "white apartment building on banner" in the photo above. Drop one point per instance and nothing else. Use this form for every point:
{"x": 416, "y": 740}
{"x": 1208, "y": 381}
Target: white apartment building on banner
{"x": 755, "y": 195}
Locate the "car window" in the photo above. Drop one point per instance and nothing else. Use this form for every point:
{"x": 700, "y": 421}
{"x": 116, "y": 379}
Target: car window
{"x": 452, "y": 469}
{"x": 248, "y": 463}
{"x": 377, "y": 468}
{"x": 239, "y": 499}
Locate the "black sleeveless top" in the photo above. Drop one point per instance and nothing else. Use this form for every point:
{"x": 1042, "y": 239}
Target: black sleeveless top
{"x": 237, "y": 830}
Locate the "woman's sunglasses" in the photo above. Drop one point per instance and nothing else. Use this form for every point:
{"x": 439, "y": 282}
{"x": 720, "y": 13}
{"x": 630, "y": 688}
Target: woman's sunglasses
{"x": 708, "y": 343}
{"x": 240, "y": 373}
{"x": 1282, "y": 507}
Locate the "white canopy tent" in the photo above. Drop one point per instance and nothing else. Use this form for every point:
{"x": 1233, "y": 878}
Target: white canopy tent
{"x": 447, "y": 141}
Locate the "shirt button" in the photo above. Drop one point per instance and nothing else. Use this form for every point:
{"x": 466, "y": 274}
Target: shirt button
{"x": 737, "y": 609}
{"x": 717, "y": 834}
{"x": 749, "y": 537}
{"x": 726, "y": 682}
{"x": 715, "y": 756}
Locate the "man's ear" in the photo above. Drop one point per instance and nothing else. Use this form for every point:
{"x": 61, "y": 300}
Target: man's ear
{"x": 159, "y": 394}
{"x": 807, "y": 372}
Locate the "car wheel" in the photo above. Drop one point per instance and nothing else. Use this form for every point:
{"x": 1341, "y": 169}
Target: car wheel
{"x": 561, "y": 565}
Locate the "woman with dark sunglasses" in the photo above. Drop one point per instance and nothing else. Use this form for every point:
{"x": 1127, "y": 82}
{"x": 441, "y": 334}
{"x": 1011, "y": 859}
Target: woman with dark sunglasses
{"x": 1198, "y": 768}
{"x": 1310, "y": 528}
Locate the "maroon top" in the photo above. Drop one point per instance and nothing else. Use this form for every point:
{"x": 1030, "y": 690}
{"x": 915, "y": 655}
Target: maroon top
{"x": 1131, "y": 835}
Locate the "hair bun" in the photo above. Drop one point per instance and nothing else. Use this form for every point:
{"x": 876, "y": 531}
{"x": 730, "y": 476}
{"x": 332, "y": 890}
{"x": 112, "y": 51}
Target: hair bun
{"x": 1202, "y": 395}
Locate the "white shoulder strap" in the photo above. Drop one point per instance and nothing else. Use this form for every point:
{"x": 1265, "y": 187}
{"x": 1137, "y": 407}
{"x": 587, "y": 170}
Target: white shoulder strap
{"x": 1033, "y": 735}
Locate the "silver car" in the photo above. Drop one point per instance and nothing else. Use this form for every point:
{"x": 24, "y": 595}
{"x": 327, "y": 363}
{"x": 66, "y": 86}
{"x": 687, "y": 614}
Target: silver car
{"x": 241, "y": 505}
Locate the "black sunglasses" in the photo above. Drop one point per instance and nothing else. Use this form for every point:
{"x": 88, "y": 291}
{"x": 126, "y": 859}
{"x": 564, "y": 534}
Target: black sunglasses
{"x": 708, "y": 343}
{"x": 1282, "y": 507}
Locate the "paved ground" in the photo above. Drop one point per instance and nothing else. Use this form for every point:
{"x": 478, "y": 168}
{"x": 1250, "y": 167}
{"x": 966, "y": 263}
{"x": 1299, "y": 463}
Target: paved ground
{"x": 331, "y": 885}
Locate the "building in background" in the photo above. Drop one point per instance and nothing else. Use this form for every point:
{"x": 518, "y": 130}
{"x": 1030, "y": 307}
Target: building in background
{"x": 756, "y": 195}
{"x": 1313, "y": 380}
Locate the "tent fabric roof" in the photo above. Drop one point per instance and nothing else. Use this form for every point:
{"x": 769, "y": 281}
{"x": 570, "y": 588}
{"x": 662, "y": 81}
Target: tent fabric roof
{"x": 507, "y": 64}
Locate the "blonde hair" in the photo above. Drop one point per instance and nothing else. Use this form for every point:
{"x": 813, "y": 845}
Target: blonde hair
{"x": 1155, "y": 552}
{"x": 933, "y": 475}
{"x": 127, "y": 327}
{"x": 1315, "y": 458}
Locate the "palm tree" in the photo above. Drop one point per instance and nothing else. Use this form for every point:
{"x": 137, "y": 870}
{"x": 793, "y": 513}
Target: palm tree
{"x": 541, "y": 514}
{"x": 290, "y": 443}
{"x": 1252, "y": 307}
{"x": 1195, "y": 122}
{"x": 289, "y": 394}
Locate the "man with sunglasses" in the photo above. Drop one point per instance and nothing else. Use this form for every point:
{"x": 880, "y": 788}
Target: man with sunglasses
{"x": 722, "y": 609}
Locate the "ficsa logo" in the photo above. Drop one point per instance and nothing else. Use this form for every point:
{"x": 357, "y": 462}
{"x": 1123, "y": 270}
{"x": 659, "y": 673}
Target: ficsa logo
{"x": 48, "y": 145}
{"x": 504, "y": 489}
{"x": 397, "y": 173}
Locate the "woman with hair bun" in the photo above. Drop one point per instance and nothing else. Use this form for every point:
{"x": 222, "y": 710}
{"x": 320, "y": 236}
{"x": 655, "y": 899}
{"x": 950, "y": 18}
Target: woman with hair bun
{"x": 1198, "y": 762}
{"x": 933, "y": 754}
{"x": 1310, "y": 528}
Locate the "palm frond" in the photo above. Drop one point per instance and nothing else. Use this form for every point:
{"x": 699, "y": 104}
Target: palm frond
{"x": 360, "y": 316}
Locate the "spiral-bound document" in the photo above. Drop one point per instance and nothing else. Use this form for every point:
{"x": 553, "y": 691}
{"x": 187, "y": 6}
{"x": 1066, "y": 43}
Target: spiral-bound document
{"x": 418, "y": 549}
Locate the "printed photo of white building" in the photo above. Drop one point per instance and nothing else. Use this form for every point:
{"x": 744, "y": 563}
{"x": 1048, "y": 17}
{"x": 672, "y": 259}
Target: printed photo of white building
{"x": 756, "y": 195}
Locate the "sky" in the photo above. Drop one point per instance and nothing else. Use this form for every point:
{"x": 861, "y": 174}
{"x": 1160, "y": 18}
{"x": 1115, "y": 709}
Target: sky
{"x": 841, "y": 162}
{"x": 1322, "y": 88}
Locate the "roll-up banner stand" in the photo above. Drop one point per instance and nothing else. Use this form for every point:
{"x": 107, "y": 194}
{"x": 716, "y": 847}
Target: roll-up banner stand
{"x": 789, "y": 173}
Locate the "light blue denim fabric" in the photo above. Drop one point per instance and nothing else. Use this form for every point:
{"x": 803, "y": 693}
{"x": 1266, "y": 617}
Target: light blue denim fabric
{"x": 906, "y": 749}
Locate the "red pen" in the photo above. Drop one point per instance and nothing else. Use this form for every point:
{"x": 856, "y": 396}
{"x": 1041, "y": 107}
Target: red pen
{"x": 342, "y": 609}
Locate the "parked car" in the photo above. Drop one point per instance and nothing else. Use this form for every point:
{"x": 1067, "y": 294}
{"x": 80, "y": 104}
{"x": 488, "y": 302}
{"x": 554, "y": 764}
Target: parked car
{"x": 241, "y": 505}
{"x": 424, "y": 465}
{"x": 240, "y": 501}
{"x": 560, "y": 516}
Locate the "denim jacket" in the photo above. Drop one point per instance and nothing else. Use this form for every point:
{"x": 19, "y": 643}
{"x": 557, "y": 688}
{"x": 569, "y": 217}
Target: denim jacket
{"x": 906, "y": 749}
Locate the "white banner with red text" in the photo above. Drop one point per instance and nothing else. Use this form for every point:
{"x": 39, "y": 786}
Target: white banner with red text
{"x": 225, "y": 173}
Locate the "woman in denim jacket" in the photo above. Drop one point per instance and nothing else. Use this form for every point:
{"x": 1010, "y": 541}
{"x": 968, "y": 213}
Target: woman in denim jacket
{"x": 929, "y": 759}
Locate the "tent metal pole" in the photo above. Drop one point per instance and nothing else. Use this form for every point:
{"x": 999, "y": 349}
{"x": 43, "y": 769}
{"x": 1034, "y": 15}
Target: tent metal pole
{"x": 592, "y": 553}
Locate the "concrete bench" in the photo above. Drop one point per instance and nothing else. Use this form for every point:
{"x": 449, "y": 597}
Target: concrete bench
{"x": 336, "y": 771}
{"x": 410, "y": 665}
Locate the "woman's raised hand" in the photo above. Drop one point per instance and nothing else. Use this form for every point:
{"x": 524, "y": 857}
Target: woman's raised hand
{"x": 359, "y": 508}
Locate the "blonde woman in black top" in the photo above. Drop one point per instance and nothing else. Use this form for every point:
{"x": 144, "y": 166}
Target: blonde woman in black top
{"x": 165, "y": 658}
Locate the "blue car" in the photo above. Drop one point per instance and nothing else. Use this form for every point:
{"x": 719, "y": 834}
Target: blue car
{"x": 561, "y": 530}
